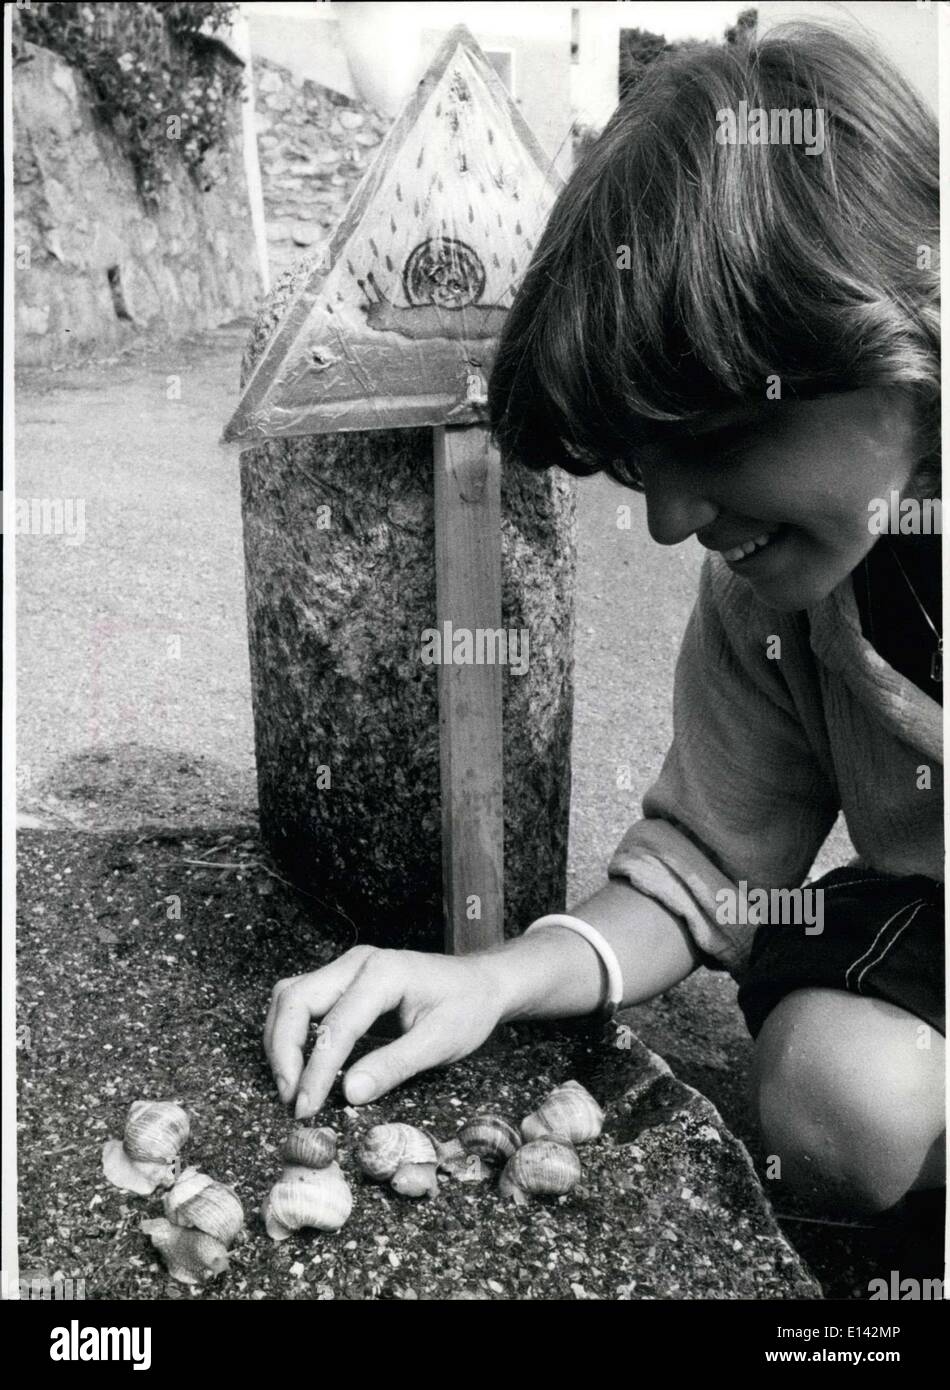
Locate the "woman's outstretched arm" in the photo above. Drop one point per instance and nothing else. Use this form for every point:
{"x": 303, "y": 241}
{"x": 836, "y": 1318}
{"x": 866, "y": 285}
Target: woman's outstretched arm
{"x": 448, "y": 1005}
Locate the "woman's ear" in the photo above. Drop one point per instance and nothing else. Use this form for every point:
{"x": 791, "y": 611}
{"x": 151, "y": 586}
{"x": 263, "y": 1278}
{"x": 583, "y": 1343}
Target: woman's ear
{"x": 926, "y": 479}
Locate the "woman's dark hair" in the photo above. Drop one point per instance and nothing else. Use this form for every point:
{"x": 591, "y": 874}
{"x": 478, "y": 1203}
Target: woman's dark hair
{"x": 744, "y": 260}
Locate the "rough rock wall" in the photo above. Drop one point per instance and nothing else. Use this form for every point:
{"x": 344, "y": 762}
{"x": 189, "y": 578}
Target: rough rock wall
{"x": 91, "y": 260}
{"x": 337, "y": 602}
{"x": 314, "y": 147}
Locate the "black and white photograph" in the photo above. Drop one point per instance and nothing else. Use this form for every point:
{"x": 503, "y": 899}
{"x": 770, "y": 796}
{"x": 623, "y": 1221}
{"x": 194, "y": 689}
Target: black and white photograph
{"x": 473, "y": 666}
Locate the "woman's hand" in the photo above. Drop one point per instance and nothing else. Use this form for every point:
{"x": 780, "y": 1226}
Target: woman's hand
{"x": 448, "y": 1006}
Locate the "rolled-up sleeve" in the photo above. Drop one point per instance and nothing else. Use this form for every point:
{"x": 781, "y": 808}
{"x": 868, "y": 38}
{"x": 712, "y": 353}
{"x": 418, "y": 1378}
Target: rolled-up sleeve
{"x": 743, "y": 794}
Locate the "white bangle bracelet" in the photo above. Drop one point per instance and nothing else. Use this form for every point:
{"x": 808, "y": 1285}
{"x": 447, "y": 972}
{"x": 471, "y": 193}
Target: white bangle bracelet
{"x": 600, "y": 944}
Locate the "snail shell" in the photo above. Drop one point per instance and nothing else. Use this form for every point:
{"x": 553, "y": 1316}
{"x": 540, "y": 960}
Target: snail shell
{"x": 569, "y": 1112}
{"x": 145, "y": 1159}
{"x": 490, "y": 1137}
{"x": 310, "y": 1148}
{"x": 198, "y": 1201}
{"x": 190, "y": 1256}
{"x": 321, "y": 1200}
{"x": 542, "y": 1166}
{"x": 155, "y": 1131}
{"x": 385, "y": 1148}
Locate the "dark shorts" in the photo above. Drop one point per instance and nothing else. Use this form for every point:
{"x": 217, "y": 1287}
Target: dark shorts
{"x": 882, "y": 937}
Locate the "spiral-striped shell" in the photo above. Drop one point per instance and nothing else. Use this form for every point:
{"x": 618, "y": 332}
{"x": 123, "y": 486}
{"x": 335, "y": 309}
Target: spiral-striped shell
{"x": 385, "y": 1148}
{"x": 145, "y": 1159}
{"x": 570, "y": 1112}
{"x": 155, "y": 1131}
{"x": 198, "y": 1201}
{"x": 322, "y": 1200}
{"x": 310, "y": 1148}
{"x": 542, "y": 1166}
{"x": 490, "y": 1137}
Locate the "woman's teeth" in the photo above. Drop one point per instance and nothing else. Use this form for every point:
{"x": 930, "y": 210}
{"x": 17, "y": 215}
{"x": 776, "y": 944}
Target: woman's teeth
{"x": 739, "y": 552}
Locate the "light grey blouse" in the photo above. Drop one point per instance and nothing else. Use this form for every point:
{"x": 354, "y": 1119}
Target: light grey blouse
{"x": 767, "y": 749}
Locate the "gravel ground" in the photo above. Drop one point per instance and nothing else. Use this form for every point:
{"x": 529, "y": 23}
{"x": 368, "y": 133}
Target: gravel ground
{"x": 120, "y": 1002}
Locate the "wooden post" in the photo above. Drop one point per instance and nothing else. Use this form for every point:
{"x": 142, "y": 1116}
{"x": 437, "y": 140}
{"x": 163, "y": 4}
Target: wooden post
{"x": 468, "y": 597}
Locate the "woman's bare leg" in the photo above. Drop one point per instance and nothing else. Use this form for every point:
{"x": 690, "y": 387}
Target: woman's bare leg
{"x": 850, "y": 1098}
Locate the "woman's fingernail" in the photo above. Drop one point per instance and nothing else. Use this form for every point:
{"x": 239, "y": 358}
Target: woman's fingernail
{"x": 303, "y": 1109}
{"x": 285, "y": 1089}
{"x": 360, "y": 1087}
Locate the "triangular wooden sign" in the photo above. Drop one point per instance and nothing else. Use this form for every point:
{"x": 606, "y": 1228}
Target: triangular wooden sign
{"x": 398, "y": 323}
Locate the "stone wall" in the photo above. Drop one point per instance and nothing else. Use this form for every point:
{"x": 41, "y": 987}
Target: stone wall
{"x": 314, "y": 146}
{"x": 92, "y": 262}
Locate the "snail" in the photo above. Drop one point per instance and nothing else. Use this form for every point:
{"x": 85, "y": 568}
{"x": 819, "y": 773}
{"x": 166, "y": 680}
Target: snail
{"x": 464, "y": 1167}
{"x": 147, "y": 1156}
{"x": 403, "y": 1156}
{"x": 490, "y": 1137}
{"x": 202, "y": 1218}
{"x": 197, "y": 1201}
{"x": 548, "y": 1166}
{"x": 311, "y": 1191}
{"x": 310, "y": 1148}
{"x": 569, "y": 1112}
{"x": 190, "y": 1256}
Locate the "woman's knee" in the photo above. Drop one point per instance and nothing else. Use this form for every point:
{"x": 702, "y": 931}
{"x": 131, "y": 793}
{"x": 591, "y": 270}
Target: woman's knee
{"x": 850, "y": 1098}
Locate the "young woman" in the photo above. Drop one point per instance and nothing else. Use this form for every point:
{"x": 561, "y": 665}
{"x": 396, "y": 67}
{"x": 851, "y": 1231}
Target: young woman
{"x": 746, "y": 331}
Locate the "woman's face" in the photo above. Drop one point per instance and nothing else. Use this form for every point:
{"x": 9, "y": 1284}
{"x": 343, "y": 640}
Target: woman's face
{"x": 798, "y": 476}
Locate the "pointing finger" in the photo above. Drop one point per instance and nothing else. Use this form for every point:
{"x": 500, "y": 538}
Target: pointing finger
{"x": 374, "y": 991}
{"x": 294, "y": 1003}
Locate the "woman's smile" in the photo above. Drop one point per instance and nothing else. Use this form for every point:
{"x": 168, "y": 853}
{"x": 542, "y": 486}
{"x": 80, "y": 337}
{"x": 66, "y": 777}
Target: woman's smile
{"x": 783, "y": 495}
{"x": 740, "y": 553}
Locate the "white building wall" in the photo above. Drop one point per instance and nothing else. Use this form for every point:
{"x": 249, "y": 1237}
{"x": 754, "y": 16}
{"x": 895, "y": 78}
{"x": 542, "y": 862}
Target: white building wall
{"x": 906, "y": 30}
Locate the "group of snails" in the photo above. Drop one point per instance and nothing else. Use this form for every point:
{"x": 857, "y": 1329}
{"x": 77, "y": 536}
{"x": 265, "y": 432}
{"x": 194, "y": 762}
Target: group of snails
{"x": 203, "y": 1217}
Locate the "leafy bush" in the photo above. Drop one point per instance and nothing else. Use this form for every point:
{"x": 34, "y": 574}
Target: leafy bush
{"x": 158, "y": 82}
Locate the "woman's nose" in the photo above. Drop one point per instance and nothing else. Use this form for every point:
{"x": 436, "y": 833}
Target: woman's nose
{"x": 674, "y": 512}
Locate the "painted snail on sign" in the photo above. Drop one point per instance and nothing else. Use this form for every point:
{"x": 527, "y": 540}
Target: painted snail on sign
{"x": 311, "y": 1192}
{"x": 147, "y": 1156}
